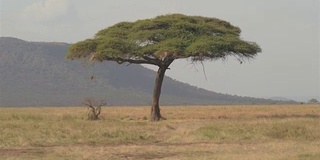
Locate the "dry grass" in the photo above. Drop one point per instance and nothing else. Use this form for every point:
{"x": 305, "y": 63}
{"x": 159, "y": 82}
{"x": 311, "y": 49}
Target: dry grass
{"x": 197, "y": 132}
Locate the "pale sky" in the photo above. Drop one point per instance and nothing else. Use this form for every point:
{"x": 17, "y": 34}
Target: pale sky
{"x": 286, "y": 30}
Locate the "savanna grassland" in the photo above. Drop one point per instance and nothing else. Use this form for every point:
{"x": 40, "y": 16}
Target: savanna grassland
{"x": 288, "y": 132}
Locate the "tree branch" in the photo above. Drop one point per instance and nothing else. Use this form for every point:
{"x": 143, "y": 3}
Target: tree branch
{"x": 89, "y": 103}
{"x": 204, "y": 71}
{"x": 134, "y": 61}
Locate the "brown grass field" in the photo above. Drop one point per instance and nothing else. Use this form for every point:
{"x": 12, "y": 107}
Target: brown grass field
{"x": 286, "y": 132}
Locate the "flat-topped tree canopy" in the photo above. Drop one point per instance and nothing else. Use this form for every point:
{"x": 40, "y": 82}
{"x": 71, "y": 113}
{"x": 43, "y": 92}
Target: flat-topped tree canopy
{"x": 163, "y": 39}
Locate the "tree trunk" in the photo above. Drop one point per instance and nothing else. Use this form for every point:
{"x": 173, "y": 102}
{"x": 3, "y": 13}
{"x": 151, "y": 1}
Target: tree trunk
{"x": 155, "y": 110}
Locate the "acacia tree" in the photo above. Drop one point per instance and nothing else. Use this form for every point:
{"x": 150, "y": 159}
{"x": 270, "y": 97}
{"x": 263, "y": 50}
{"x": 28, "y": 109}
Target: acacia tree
{"x": 161, "y": 40}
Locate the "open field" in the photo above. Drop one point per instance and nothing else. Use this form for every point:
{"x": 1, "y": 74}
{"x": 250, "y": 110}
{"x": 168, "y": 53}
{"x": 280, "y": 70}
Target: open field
{"x": 199, "y": 132}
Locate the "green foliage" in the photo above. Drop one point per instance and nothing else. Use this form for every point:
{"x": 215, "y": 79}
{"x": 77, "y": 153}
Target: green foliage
{"x": 83, "y": 49}
{"x": 165, "y": 37}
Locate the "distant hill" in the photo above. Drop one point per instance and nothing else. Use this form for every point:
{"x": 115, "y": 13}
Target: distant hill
{"x": 37, "y": 74}
{"x": 280, "y": 99}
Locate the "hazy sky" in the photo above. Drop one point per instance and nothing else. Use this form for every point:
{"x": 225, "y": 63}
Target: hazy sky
{"x": 286, "y": 30}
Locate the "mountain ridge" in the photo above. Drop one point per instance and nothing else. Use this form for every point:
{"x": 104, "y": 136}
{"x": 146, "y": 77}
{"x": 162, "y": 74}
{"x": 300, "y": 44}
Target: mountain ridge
{"x": 37, "y": 74}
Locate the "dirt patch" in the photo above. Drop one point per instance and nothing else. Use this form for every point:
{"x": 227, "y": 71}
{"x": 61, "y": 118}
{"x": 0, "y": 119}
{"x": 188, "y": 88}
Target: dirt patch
{"x": 144, "y": 155}
{"x": 20, "y": 152}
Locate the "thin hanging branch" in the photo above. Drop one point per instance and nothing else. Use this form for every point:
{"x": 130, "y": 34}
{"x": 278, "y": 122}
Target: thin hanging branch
{"x": 204, "y": 71}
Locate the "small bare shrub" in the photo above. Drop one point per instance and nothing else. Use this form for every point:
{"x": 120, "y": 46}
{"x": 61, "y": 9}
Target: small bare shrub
{"x": 94, "y": 108}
